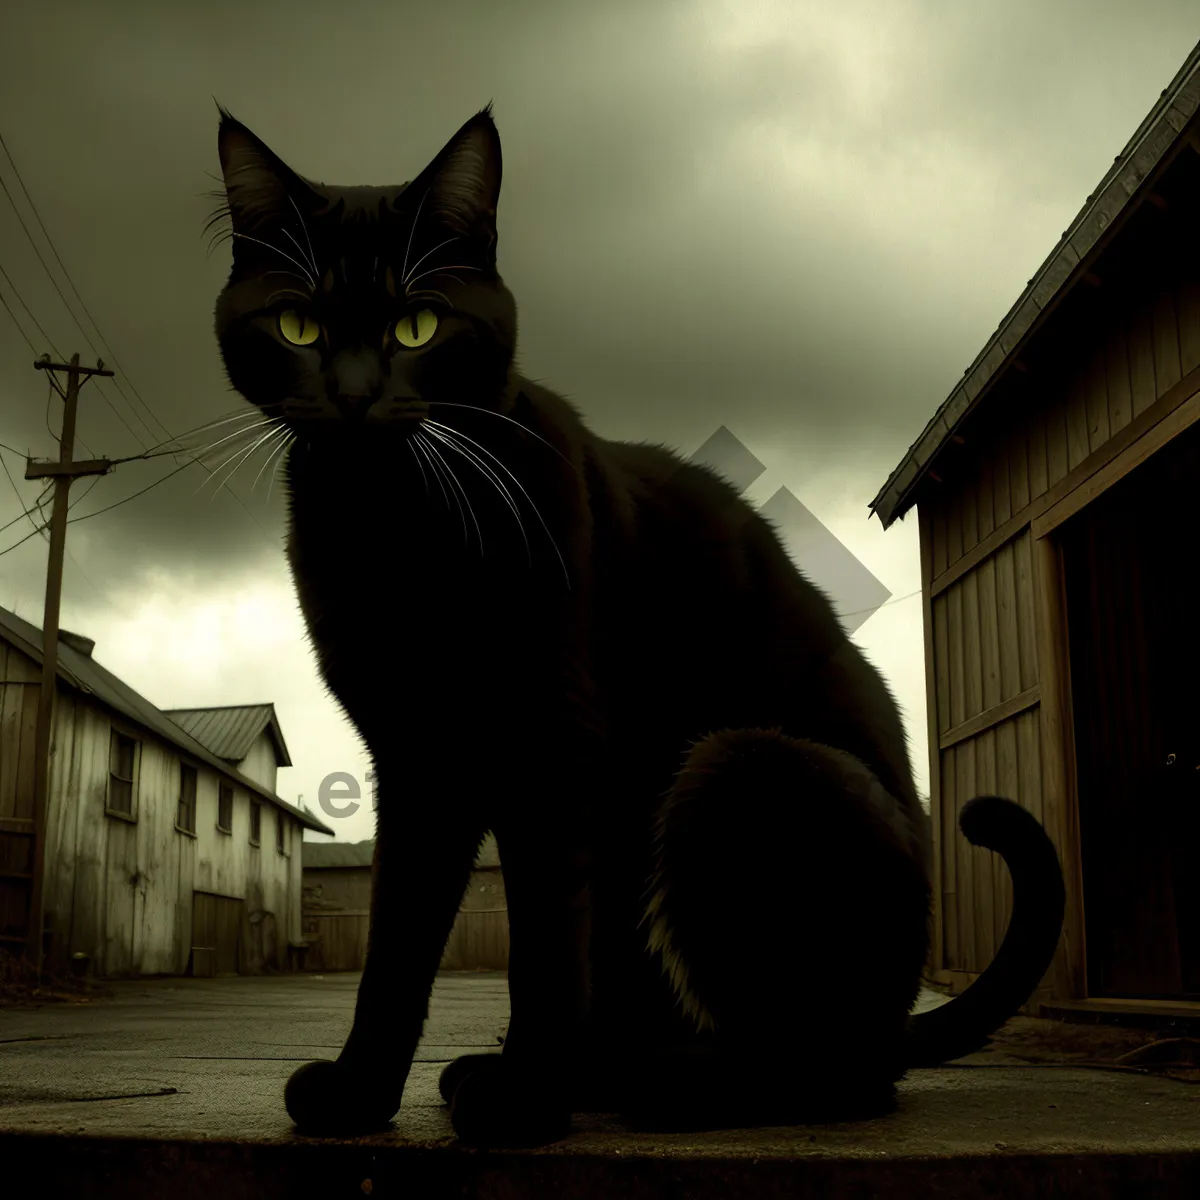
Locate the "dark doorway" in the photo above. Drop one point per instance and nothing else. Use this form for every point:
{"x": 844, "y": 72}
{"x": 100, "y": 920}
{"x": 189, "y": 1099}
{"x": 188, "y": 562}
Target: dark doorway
{"x": 1128, "y": 562}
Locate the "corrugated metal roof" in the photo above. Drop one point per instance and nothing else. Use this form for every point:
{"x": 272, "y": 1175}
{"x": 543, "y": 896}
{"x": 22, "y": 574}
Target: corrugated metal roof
{"x": 358, "y": 854}
{"x": 1164, "y": 126}
{"x": 230, "y": 731}
{"x": 85, "y": 674}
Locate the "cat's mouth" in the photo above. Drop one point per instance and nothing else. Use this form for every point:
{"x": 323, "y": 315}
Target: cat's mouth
{"x": 359, "y": 412}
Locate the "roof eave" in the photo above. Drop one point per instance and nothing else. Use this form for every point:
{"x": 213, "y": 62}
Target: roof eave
{"x": 1170, "y": 124}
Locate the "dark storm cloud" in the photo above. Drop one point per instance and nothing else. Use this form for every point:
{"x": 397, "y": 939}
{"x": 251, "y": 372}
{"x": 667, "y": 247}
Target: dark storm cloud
{"x": 799, "y": 220}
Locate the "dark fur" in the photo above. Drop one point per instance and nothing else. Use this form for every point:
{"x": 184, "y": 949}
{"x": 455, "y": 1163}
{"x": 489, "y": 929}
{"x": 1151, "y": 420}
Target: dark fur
{"x": 699, "y": 787}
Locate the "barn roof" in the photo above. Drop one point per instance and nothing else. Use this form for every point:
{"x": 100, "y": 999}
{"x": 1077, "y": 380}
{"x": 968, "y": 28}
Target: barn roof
{"x": 1168, "y": 123}
{"x": 79, "y": 670}
{"x": 230, "y": 730}
{"x": 327, "y": 855}
{"x": 324, "y": 855}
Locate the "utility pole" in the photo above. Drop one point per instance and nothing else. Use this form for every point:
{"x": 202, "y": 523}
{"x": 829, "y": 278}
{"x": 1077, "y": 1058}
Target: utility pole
{"x": 62, "y": 472}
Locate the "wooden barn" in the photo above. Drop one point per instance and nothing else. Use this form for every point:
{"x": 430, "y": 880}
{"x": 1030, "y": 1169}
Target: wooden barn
{"x": 1057, "y": 538}
{"x": 162, "y": 857}
{"x": 337, "y": 902}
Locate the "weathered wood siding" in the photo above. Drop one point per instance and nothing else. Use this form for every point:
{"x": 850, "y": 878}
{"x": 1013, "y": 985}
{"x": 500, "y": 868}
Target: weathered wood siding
{"x": 337, "y": 903}
{"x": 984, "y": 690}
{"x": 122, "y": 890}
{"x": 260, "y": 764}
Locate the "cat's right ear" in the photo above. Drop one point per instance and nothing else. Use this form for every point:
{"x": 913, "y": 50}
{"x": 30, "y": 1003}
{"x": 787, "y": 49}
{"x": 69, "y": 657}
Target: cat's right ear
{"x": 258, "y": 184}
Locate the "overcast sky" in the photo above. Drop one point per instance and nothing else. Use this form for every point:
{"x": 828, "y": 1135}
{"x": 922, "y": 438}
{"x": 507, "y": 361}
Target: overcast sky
{"x": 798, "y": 220}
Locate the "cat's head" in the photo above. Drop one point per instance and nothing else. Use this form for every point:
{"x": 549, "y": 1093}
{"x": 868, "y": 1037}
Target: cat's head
{"x": 349, "y": 310}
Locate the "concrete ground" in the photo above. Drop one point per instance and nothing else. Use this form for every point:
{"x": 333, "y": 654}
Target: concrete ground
{"x": 173, "y": 1088}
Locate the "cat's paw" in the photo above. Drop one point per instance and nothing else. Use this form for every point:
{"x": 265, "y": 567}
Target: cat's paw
{"x": 504, "y": 1105}
{"x": 326, "y": 1099}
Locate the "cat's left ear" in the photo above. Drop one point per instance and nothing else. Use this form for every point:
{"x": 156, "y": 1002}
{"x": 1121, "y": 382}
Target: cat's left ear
{"x": 259, "y": 186}
{"x": 463, "y": 181}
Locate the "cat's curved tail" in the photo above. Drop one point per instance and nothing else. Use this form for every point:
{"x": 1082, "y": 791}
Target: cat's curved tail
{"x": 962, "y": 1025}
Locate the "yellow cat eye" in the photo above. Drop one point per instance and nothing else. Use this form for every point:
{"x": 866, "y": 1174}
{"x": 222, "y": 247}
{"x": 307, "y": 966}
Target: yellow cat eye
{"x": 298, "y": 329}
{"x": 415, "y": 329}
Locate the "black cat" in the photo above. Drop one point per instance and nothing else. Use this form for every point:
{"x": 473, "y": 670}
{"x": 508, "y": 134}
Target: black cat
{"x": 700, "y": 789}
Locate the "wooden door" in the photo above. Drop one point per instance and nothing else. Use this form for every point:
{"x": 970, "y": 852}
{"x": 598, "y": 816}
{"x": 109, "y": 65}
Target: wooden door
{"x": 1135, "y": 667}
{"x": 216, "y": 934}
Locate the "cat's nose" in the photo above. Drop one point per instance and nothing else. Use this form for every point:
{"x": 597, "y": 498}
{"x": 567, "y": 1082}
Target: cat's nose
{"x": 354, "y": 408}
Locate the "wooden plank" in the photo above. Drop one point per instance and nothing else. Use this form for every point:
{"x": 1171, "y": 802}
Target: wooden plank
{"x": 1116, "y": 468}
{"x": 985, "y": 515}
{"x": 965, "y": 789}
{"x": 1077, "y": 419}
{"x": 948, "y": 825}
{"x": 1187, "y": 303}
{"x": 1039, "y": 468}
{"x": 27, "y": 755}
{"x": 990, "y": 717}
{"x": 1059, "y": 815}
{"x": 1026, "y": 611}
{"x": 1117, "y": 378}
{"x": 1095, "y": 387}
{"x": 1140, "y": 338}
{"x": 1007, "y": 784}
{"x": 954, "y": 533}
{"x": 1006, "y": 623}
{"x": 941, "y": 659}
{"x": 972, "y": 650}
{"x": 969, "y": 509}
{"x": 1018, "y": 470}
{"x": 10, "y": 747}
{"x": 1029, "y": 761}
{"x": 989, "y": 634}
{"x": 1112, "y": 449}
{"x": 984, "y": 862}
{"x": 938, "y": 524}
{"x": 1001, "y": 485}
{"x": 933, "y": 703}
{"x": 1167, "y": 371}
{"x": 1057, "y": 455}
{"x": 958, "y": 691}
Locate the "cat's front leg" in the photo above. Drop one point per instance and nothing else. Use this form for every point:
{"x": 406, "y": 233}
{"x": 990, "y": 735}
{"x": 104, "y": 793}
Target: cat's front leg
{"x": 524, "y": 1097}
{"x": 424, "y": 850}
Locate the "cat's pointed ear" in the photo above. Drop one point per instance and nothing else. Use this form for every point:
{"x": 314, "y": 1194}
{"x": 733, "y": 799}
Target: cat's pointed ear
{"x": 258, "y": 184}
{"x": 463, "y": 181}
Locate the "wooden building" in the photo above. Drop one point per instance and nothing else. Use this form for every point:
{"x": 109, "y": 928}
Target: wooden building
{"x": 337, "y": 903}
{"x": 162, "y": 857}
{"x": 1053, "y": 490}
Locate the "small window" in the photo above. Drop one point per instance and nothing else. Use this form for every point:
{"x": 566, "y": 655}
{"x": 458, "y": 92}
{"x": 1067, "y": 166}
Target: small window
{"x": 225, "y": 809}
{"x": 122, "y": 754}
{"x": 255, "y": 821}
{"x": 280, "y": 833}
{"x": 187, "y": 799}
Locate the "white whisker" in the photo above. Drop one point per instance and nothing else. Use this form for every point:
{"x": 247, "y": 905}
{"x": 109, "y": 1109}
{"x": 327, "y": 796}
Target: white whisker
{"x": 412, "y": 230}
{"x": 419, "y": 467}
{"x": 407, "y": 277}
{"x": 283, "y": 435}
{"x": 438, "y": 271}
{"x": 312, "y": 258}
{"x": 487, "y": 412}
{"x": 434, "y": 426}
{"x": 282, "y": 254}
{"x": 454, "y": 482}
{"x": 492, "y": 478}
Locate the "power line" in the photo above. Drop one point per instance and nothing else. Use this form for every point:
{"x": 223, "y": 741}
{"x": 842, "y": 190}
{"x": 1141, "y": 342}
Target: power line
{"x": 95, "y": 325}
{"x": 75, "y": 290}
{"x": 66, "y": 304}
